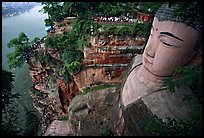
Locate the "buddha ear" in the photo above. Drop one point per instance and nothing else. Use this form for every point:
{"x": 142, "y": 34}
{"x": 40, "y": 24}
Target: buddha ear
{"x": 190, "y": 57}
{"x": 195, "y": 58}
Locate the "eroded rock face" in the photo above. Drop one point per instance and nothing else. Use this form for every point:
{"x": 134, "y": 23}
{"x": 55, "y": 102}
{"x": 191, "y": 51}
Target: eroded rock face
{"x": 96, "y": 76}
{"x": 89, "y": 113}
{"x": 50, "y": 99}
{"x": 58, "y": 128}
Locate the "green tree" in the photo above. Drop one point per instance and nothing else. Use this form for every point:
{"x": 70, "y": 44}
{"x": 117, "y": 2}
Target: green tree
{"x": 149, "y": 7}
{"x": 66, "y": 74}
{"x": 53, "y": 79}
{"x": 54, "y": 10}
{"x": 79, "y": 8}
{"x": 35, "y": 40}
{"x": 117, "y": 8}
{"x": 48, "y": 22}
{"x": 7, "y": 85}
{"x": 21, "y": 47}
{"x": 49, "y": 42}
{"x": 73, "y": 67}
{"x": 71, "y": 54}
{"x": 32, "y": 124}
{"x": 9, "y": 118}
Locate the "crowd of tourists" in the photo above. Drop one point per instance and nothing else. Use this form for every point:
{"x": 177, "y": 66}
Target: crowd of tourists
{"x": 113, "y": 19}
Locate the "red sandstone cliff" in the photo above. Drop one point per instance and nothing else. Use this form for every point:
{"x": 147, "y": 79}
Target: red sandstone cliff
{"x": 105, "y": 61}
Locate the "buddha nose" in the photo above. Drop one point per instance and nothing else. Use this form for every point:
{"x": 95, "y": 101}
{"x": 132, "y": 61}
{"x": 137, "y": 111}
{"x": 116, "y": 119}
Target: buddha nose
{"x": 150, "y": 51}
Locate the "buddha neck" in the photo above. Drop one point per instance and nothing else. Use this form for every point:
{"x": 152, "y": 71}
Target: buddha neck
{"x": 148, "y": 78}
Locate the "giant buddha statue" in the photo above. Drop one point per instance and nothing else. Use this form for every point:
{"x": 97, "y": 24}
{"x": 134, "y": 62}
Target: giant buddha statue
{"x": 172, "y": 43}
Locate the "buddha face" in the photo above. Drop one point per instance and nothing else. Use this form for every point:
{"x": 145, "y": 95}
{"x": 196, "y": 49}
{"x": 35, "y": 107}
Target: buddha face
{"x": 170, "y": 45}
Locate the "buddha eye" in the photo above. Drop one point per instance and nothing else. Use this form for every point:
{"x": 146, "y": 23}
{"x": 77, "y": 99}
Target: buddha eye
{"x": 165, "y": 43}
{"x": 169, "y": 40}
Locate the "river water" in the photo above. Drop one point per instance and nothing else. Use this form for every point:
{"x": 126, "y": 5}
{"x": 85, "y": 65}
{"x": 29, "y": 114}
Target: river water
{"x": 32, "y": 24}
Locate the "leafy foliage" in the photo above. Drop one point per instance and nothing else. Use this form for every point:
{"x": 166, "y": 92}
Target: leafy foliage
{"x": 66, "y": 75}
{"x": 7, "y": 86}
{"x": 54, "y": 10}
{"x": 73, "y": 67}
{"x": 136, "y": 29}
{"x": 32, "y": 124}
{"x": 116, "y": 8}
{"x": 70, "y": 52}
{"x": 21, "y": 47}
{"x": 48, "y": 22}
{"x": 80, "y": 8}
{"x": 49, "y": 42}
{"x": 9, "y": 123}
{"x": 81, "y": 27}
{"x": 149, "y": 7}
{"x": 64, "y": 117}
{"x": 106, "y": 132}
{"x": 97, "y": 88}
{"x": 10, "y": 115}
{"x": 52, "y": 79}
{"x": 60, "y": 25}
{"x": 35, "y": 40}
{"x": 155, "y": 126}
{"x": 189, "y": 12}
{"x": 191, "y": 76}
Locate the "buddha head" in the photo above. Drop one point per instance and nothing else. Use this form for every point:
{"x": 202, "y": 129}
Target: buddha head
{"x": 171, "y": 44}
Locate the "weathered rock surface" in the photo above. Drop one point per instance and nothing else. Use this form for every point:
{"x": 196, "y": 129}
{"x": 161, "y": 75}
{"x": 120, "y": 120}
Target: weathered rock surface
{"x": 58, "y": 128}
{"x": 90, "y": 113}
{"x": 97, "y": 75}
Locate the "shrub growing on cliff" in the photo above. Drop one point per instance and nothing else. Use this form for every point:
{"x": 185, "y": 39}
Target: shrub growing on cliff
{"x": 126, "y": 30}
{"x": 49, "y": 42}
{"x": 22, "y": 49}
{"x": 64, "y": 117}
{"x": 191, "y": 76}
{"x": 155, "y": 126}
{"x": 48, "y": 22}
{"x": 52, "y": 79}
{"x": 116, "y": 8}
{"x": 60, "y": 25}
{"x": 136, "y": 29}
{"x": 106, "y": 132}
{"x": 54, "y": 10}
{"x": 66, "y": 74}
{"x": 73, "y": 66}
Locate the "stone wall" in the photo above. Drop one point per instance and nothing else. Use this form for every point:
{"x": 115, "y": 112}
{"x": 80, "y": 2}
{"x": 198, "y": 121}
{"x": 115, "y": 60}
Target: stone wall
{"x": 112, "y": 53}
{"x": 95, "y": 76}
